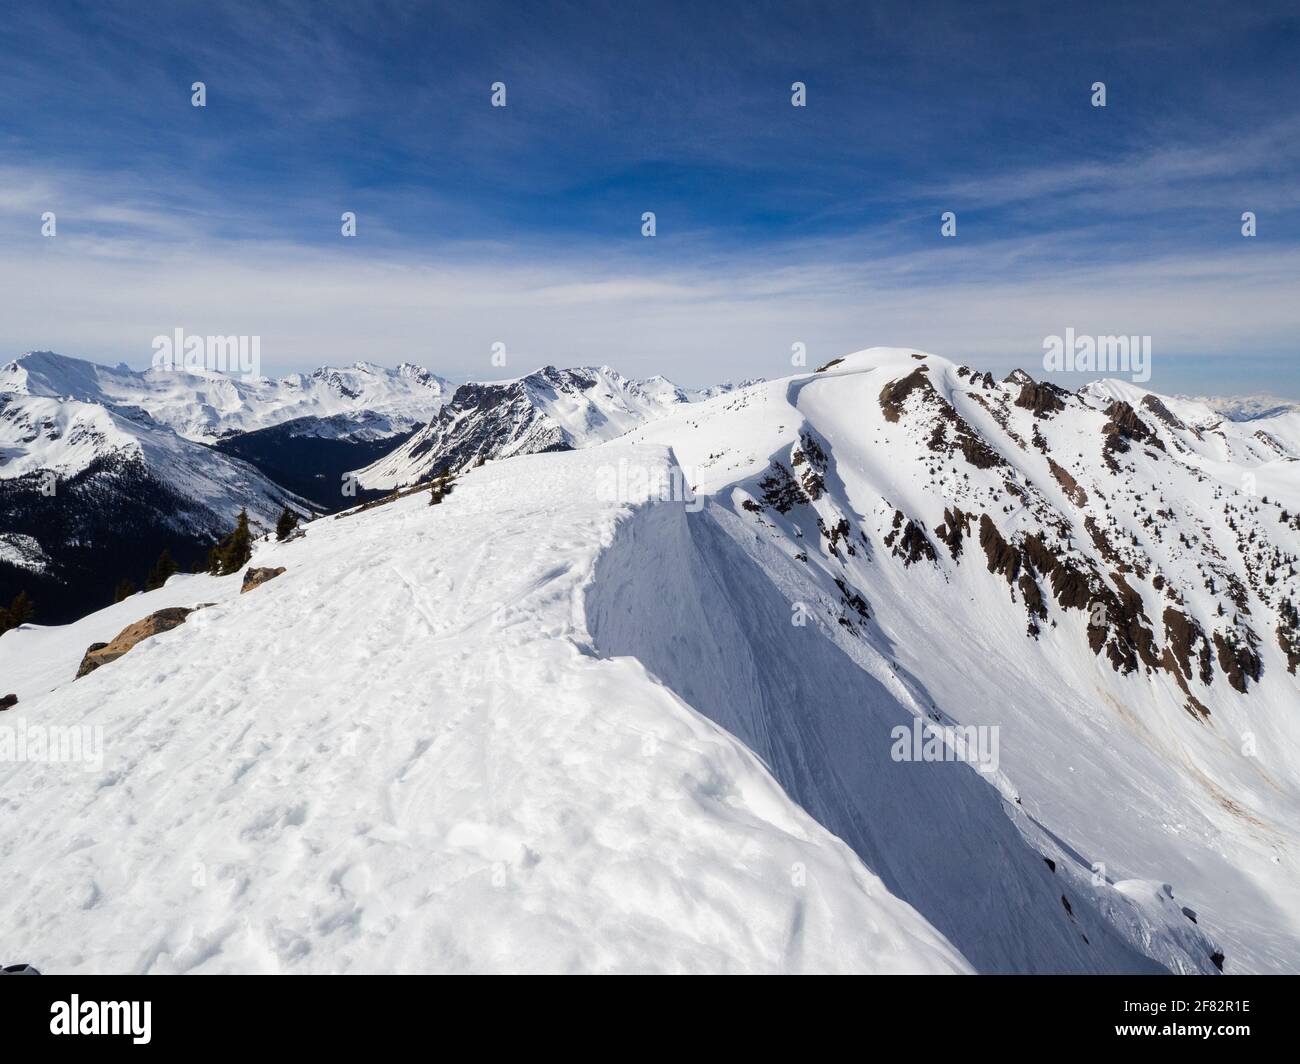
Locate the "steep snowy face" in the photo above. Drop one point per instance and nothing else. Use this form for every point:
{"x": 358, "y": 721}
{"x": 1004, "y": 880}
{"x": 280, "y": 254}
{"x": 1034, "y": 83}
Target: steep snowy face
{"x": 412, "y": 735}
{"x": 550, "y": 410}
{"x": 58, "y": 442}
{"x": 1107, "y": 578}
{"x": 204, "y": 406}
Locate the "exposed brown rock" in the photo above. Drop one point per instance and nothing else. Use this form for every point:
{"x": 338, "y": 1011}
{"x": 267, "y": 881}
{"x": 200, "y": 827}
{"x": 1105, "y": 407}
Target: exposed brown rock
{"x": 908, "y": 540}
{"x": 98, "y": 654}
{"x": 895, "y": 393}
{"x": 1288, "y": 634}
{"x": 1162, "y": 412}
{"x": 1043, "y": 399}
{"x": 954, "y": 530}
{"x": 257, "y": 577}
{"x": 1071, "y": 487}
{"x": 8, "y": 701}
{"x": 809, "y": 454}
{"x": 835, "y": 534}
{"x": 1125, "y": 426}
{"x": 1185, "y": 637}
{"x": 1238, "y": 660}
{"x": 1002, "y": 556}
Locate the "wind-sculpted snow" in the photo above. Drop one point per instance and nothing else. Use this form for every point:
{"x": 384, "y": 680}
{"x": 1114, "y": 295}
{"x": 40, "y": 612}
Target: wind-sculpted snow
{"x": 405, "y": 754}
{"x": 939, "y": 833}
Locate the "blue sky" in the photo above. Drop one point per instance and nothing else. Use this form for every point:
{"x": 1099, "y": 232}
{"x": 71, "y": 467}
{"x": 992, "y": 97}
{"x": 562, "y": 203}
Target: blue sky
{"x": 776, "y": 225}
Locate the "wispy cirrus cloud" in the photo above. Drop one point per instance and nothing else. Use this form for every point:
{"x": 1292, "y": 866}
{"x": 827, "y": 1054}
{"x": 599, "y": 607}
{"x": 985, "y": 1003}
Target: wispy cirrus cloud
{"x": 776, "y": 224}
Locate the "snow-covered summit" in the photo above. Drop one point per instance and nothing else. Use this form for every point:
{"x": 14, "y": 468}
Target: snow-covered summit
{"x": 549, "y": 409}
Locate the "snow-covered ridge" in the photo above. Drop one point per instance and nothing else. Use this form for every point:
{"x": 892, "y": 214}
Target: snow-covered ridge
{"x": 417, "y": 742}
{"x": 1109, "y": 577}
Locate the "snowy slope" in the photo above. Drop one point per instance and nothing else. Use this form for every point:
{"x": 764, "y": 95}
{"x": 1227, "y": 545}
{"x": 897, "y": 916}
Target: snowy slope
{"x": 205, "y": 405}
{"x": 549, "y": 410}
{"x": 1121, "y": 619}
{"x": 505, "y": 733}
{"x": 67, "y": 438}
{"x": 35, "y": 659}
{"x": 405, "y": 754}
{"x": 90, "y": 495}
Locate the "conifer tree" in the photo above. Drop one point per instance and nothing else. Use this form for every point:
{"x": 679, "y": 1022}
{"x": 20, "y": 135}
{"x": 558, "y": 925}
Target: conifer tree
{"x": 125, "y": 589}
{"x": 241, "y": 545}
{"x": 233, "y": 552}
{"x": 21, "y": 609}
{"x": 287, "y": 523}
{"x": 162, "y": 569}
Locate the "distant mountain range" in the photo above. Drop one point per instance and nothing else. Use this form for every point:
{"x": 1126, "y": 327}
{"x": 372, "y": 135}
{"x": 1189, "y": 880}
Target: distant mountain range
{"x": 549, "y": 410}
{"x": 103, "y": 467}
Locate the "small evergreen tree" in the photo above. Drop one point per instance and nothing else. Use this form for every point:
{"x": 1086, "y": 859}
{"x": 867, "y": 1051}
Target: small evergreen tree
{"x": 20, "y": 610}
{"x": 125, "y": 589}
{"x": 287, "y": 523}
{"x": 162, "y": 569}
{"x": 233, "y": 552}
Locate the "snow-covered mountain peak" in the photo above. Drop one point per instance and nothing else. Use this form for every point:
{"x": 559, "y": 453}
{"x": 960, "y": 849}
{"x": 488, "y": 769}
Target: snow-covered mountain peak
{"x": 988, "y": 534}
{"x": 549, "y": 409}
{"x": 205, "y": 405}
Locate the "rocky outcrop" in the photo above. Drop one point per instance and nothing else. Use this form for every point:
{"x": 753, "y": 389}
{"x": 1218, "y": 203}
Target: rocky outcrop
{"x": 1043, "y": 399}
{"x": 1069, "y": 485}
{"x": 780, "y": 490}
{"x": 908, "y": 541}
{"x": 954, "y": 530}
{"x": 1288, "y": 634}
{"x": 1238, "y": 659}
{"x": 257, "y": 577}
{"x": 8, "y": 701}
{"x": 98, "y": 654}
{"x": 894, "y": 394}
{"x": 1124, "y": 427}
{"x": 1150, "y": 402}
{"x": 812, "y": 458}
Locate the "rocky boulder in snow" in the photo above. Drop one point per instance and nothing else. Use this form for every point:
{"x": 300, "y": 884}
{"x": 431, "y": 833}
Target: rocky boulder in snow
{"x": 255, "y": 577}
{"x": 164, "y": 620}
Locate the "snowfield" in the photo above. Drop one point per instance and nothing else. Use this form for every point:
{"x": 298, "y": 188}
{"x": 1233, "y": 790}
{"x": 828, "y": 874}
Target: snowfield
{"x": 404, "y": 754}
{"x": 637, "y": 707}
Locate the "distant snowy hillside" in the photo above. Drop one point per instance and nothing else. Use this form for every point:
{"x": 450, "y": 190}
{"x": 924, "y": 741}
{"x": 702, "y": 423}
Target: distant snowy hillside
{"x": 550, "y": 410}
{"x": 405, "y": 754}
{"x": 1248, "y": 407}
{"x": 89, "y": 495}
{"x": 364, "y": 399}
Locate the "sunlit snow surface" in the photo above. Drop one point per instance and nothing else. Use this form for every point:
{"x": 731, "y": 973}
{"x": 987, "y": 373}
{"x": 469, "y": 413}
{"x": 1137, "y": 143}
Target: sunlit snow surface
{"x": 404, "y": 755}
{"x": 513, "y": 732}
